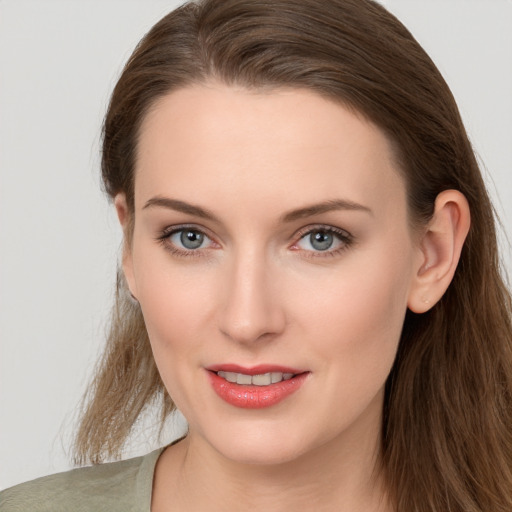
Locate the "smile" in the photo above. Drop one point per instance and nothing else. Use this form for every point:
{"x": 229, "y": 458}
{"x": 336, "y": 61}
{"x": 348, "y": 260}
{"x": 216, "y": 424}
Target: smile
{"x": 264, "y": 379}
{"x": 255, "y": 388}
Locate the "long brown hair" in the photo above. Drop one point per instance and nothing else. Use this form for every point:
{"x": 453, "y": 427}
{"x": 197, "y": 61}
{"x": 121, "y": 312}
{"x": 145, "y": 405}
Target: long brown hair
{"x": 447, "y": 423}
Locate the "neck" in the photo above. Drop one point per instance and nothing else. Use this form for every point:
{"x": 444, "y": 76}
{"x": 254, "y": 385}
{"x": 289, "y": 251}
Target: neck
{"x": 340, "y": 475}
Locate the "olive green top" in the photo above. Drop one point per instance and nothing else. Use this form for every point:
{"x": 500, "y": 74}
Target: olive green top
{"x": 113, "y": 487}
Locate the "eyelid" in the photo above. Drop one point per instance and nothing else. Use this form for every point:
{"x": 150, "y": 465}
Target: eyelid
{"x": 173, "y": 228}
{"x": 343, "y": 235}
{"x": 165, "y": 234}
{"x": 346, "y": 239}
{"x": 306, "y": 230}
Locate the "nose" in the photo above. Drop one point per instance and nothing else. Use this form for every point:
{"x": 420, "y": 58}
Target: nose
{"x": 251, "y": 308}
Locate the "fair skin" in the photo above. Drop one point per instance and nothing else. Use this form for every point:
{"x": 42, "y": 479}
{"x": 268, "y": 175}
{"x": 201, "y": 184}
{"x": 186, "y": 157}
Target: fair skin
{"x": 230, "y": 265}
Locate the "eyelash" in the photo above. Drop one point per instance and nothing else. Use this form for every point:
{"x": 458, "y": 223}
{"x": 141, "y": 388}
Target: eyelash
{"x": 164, "y": 239}
{"x": 343, "y": 236}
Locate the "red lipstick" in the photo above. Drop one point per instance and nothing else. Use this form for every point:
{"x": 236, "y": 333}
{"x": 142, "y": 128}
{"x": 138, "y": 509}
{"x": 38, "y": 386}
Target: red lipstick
{"x": 250, "y": 396}
{"x": 254, "y": 370}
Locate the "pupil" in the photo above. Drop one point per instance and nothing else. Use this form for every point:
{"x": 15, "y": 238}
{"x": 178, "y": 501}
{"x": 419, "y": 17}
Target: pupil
{"x": 191, "y": 239}
{"x": 321, "y": 240}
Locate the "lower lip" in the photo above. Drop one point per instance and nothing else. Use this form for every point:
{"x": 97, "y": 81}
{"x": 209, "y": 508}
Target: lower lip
{"x": 255, "y": 397}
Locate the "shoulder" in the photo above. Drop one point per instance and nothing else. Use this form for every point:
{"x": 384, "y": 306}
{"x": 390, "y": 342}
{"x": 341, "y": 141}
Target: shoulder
{"x": 124, "y": 486}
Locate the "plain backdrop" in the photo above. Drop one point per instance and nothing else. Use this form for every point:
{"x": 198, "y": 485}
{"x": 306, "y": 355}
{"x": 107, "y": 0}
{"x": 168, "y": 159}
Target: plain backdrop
{"x": 59, "y": 239}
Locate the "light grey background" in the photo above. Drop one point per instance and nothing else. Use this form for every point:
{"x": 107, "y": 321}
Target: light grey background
{"x": 59, "y": 239}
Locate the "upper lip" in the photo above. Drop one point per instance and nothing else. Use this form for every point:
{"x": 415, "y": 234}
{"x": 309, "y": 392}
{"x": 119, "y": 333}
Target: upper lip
{"x": 253, "y": 370}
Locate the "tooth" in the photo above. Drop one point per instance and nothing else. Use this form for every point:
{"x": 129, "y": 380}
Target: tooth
{"x": 262, "y": 380}
{"x": 243, "y": 379}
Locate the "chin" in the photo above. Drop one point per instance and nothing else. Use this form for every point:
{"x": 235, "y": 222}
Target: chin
{"x": 259, "y": 446}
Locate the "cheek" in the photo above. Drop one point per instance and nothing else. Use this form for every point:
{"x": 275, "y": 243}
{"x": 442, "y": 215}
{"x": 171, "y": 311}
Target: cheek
{"x": 356, "y": 319}
{"x": 173, "y": 305}
{"x": 177, "y": 300}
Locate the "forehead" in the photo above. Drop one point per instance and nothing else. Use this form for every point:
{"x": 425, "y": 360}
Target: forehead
{"x": 287, "y": 145}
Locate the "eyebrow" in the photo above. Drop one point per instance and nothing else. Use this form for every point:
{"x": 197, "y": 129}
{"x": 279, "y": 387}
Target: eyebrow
{"x": 325, "y": 206}
{"x": 180, "y": 206}
{"x": 300, "y": 213}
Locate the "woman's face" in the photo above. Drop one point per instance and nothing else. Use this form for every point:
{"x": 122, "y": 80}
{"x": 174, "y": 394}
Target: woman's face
{"x": 271, "y": 238}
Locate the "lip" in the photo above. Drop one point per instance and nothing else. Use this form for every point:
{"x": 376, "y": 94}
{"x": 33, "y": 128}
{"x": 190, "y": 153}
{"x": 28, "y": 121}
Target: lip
{"x": 254, "y": 370}
{"x": 255, "y": 397}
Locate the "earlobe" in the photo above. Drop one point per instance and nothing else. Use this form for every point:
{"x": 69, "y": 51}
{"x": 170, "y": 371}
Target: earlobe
{"x": 124, "y": 216}
{"x": 439, "y": 250}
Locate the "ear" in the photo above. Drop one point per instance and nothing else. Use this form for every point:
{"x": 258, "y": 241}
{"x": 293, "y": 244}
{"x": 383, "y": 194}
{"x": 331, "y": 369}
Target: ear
{"x": 126, "y": 221}
{"x": 439, "y": 250}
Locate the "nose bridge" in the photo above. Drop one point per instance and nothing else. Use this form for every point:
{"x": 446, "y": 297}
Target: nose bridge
{"x": 251, "y": 307}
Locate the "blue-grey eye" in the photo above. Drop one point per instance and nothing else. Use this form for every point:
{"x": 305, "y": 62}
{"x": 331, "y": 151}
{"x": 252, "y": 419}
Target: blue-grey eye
{"x": 188, "y": 239}
{"x": 322, "y": 240}
{"x": 191, "y": 239}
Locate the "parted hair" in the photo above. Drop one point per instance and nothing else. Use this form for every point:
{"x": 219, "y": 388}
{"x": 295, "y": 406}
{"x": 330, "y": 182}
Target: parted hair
{"x": 446, "y": 440}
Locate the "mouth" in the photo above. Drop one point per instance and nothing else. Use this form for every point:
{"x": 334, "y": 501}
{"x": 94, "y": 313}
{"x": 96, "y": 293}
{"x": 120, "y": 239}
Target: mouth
{"x": 255, "y": 388}
{"x": 262, "y": 379}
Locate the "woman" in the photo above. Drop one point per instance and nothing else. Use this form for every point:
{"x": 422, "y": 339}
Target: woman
{"x": 310, "y": 271}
